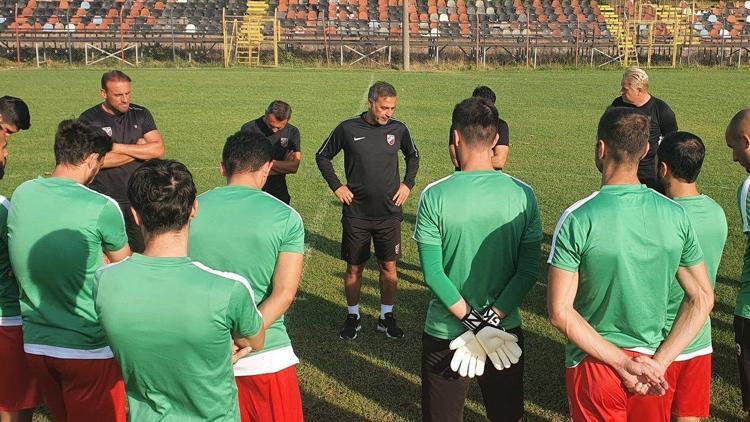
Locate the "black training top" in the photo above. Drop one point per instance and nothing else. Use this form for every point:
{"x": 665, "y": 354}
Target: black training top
{"x": 371, "y": 164}
{"x": 663, "y": 122}
{"x": 502, "y": 130}
{"x": 285, "y": 140}
{"x": 124, "y": 128}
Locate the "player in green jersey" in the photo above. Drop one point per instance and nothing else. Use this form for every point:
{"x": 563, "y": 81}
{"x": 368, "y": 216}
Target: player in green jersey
{"x": 57, "y": 229}
{"x": 171, "y": 321}
{"x": 738, "y": 139}
{"x": 680, "y": 157}
{"x": 242, "y": 229}
{"x": 479, "y": 259}
{"x": 19, "y": 394}
{"x": 613, "y": 257}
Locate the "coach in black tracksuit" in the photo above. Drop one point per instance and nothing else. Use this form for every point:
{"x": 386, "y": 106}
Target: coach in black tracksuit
{"x": 371, "y": 198}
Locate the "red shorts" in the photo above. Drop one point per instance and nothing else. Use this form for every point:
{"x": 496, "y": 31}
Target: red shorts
{"x": 596, "y": 393}
{"x": 690, "y": 387}
{"x": 270, "y": 397}
{"x": 80, "y": 389}
{"x": 18, "y": 388}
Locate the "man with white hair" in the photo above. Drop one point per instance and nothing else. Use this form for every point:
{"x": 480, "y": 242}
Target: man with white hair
{"x": 634, "y": 93}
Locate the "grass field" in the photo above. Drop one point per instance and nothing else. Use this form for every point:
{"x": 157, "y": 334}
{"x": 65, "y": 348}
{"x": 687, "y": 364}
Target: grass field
{"x": 552, "y": 117}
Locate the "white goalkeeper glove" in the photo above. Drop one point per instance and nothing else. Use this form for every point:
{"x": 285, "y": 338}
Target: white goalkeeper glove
{"x": 501, "y": 347}
{"x": 469, "y": 358}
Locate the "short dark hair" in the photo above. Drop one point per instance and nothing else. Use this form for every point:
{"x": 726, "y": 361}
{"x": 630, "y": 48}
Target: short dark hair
{"x": 484, "y": 92}
{"x": 683, "y": 153}
{"x": 476, "y": 119}
{"x": 625, "y": 131}
{"x": 15, "y": 112}
{"x": 280, "y": 110}
{"x": 246, "y": 151}
{"x": 114, "y": 75}
{"x": 380, "y": 89}
{"x": 162, "y": 192}
{"x": 75, "y": 140}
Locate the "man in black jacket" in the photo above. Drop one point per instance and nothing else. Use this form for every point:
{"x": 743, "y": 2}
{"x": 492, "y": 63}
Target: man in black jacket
{"x": 371, "y": 199}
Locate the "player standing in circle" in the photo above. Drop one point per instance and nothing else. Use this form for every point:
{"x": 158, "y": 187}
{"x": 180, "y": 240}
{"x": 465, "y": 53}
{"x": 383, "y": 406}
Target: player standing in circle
{"x": 634, "y": 93}
{"x": 57, "y": 230}
{"x": 738, "y": 140}
{"x": 681, "y": 156}
{"x": 500, "y": 150}
{"x": 135, "y": 139}
{"x": 371, "y": 199}
{"x": 173, "y": 323}
{"x": 605, "y": 253}
{"x": 19, "y": 394}
{"x": 460, "y": 240}
{"x": 267, "y": 241}
{"x": 285, "y": 139}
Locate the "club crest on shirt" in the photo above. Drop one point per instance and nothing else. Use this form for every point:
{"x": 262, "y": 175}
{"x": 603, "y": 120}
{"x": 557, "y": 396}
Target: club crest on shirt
{"x": 284, "y": 142}
{"x": 391, "y": 139}
{"x": 107, "y": 130}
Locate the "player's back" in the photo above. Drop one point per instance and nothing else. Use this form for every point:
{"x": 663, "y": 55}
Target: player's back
{"x": 169, "y": 323}
{"x": 243, "y": 230}
{"x": 626, "y": 242}
{"x": 56, "y": 231}
{"x": 481, "y": 218}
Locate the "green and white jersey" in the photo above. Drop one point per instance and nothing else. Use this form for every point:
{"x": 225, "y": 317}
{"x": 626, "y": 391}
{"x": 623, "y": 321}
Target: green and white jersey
{"x": 57, "y": 230}
{"x": 10, "y": 310}
{"x": 170, "y": 322}
{"x": 243, "y": 230}
{"x": 710, "y": 225}
{"x": 480, "y": 219}
{"x": 626, "y": 242}
{"x": 743, "y": 297}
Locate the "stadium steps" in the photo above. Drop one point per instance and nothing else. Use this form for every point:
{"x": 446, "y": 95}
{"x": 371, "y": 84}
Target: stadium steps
{"x": 619, "y": 31}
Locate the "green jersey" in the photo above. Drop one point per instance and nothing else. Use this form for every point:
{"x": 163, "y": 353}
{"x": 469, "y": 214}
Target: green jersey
{"x": 243, "y": 230}
{"x": 169, "y": 322}
{"x": 488, "y": 226}
{"x": 10, "y": 309}
{"x": 57, "y": 229}
{"x": 710, "y": 225}
{"x": 626, "y": 243}
{"x": 743, "y": 297}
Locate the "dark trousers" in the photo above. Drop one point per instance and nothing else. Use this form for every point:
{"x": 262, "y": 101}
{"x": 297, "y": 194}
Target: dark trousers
{"x": 444, "y": 391}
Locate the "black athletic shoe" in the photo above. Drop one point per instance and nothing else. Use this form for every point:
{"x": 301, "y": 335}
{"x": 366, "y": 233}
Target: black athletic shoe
{"x": 389, "y": 327}
{"x": 351, "y": 326}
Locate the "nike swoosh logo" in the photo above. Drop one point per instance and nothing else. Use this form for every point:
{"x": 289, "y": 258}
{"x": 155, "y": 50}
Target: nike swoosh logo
{"x": 358, "y": 139}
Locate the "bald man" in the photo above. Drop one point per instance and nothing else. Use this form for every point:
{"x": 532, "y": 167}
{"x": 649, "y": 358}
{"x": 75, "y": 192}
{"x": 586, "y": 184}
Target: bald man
{"x": 738, "y": 140}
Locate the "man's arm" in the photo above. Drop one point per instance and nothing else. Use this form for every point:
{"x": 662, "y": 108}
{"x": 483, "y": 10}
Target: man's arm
{"x": 119, "y": 255}
{"x": 561, "y": 292}
{"x": 289, "y": 165}
{"x": 411, "y": 156}
{"x": 693, "y": 313}
{"x": 151, "y": 147}
{"x": 323, "y": 157}
{"x": 286, "y": 278}
{"x": 667, "y": 120}
{"x": 499, "y": 156}
{"x": 246, "y": 321}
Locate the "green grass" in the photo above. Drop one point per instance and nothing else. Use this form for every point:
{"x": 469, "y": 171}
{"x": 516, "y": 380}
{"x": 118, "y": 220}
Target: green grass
{"x": 552, "y": 117}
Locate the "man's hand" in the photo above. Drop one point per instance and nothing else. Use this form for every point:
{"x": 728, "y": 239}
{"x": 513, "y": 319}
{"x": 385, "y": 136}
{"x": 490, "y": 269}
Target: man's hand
{"x": 239, "y": 353}
{"x": 289, "y": 156}
{"x": 344, "y": 195}
{"x": 641, "y": 376}
{"x": 401, "y": 195}
{"x": 469, "y": 358}
{"x": 658, "y": 370}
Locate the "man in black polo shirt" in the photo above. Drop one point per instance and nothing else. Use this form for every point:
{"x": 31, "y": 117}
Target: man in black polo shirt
{"x": 500, "y": 150}
{"x": 371, "y": 199}
{"x": 634, "y": 93}
{"x": 285, "y": 140}
{"x": 135, "y": 139}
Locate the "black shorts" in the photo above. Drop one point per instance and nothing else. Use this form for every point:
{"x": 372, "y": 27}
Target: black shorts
{"x": 356, "y": 236}
{"x": 742, "y": 348}
{"x": 444, "y": 391}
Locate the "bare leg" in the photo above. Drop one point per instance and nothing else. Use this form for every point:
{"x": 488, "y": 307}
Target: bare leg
{"x": 388, "y": 282}
{"x": 353, "y": 283}
{"x": 19, "y": 416}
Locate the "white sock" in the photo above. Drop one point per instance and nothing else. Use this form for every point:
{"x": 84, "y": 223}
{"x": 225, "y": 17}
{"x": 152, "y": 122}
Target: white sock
{"x": 353, "y": 310}
{"x": 384, "y": 309}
